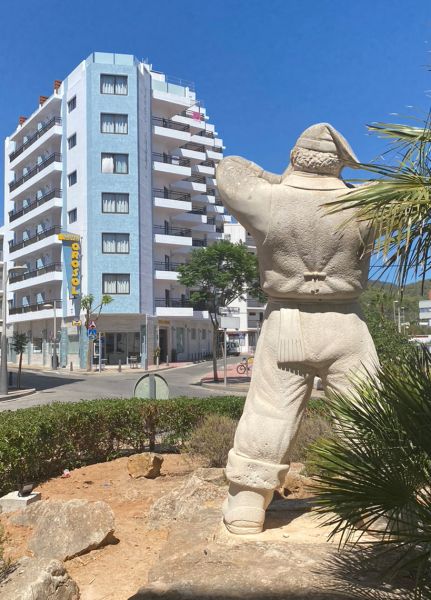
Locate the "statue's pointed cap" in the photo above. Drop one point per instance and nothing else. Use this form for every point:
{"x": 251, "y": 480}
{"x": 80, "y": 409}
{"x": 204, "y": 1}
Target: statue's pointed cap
{"x": 322, "y": 137}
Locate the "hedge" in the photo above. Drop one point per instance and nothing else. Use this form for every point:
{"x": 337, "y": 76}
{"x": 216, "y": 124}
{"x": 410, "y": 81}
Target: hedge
{"x": 38, "y": 443}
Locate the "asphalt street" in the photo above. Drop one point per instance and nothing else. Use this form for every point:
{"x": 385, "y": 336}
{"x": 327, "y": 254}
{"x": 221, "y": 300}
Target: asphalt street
{"x": 72, "y": 387}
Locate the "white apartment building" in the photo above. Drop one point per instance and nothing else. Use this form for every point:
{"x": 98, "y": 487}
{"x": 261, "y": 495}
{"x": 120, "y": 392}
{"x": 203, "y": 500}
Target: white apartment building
{"x": 249, "y": 310}
{"x": 109, "y": 185}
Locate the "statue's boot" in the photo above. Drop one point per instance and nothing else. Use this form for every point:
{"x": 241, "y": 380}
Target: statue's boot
{"x": 244, "y": 509}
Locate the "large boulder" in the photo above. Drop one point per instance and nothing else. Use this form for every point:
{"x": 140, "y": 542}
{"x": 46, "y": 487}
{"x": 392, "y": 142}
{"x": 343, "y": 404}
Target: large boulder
{"x": 205, "y": 487}
{"x": 146, "y": 465}
{"x": 39, "y": 579}
{"x": 64, "y": 529}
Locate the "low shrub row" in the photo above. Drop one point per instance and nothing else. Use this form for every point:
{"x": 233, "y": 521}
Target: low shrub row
{"x": 38, "y": 443}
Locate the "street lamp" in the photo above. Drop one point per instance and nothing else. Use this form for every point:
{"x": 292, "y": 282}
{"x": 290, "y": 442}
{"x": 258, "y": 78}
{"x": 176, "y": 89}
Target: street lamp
{"x": 54, "y": 348}
{"x": 4, "y": 386}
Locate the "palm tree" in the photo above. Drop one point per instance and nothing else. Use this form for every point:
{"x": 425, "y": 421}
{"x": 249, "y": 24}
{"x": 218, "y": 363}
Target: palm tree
{"x": 398, "y": 201}
{"x": 19, "y": 344}
{"x": 92, "y": 314}
{"x": 376, "y": 470}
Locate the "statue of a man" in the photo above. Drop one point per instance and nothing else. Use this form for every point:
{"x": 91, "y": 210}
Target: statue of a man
{"x": 313, "y": 267}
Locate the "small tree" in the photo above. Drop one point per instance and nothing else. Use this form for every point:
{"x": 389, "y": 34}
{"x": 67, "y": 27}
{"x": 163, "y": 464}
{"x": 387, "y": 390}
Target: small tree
{"x": 218, "y": 275}
{"x": 92, "y": 314}
{"x": 19, "y": 343}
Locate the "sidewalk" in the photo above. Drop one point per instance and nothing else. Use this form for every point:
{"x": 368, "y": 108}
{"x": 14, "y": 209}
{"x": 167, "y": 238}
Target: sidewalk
{"x": 236, "y": 383}
{"x": 106, "y": 369}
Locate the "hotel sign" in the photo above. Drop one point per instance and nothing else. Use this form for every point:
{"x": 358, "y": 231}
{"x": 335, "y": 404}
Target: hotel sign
{"x": 73, "y": 241}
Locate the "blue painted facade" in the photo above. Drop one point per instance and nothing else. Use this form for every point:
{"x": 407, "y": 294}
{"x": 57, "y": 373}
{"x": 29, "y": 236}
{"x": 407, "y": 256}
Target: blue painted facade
{"x": 98, "y": 182}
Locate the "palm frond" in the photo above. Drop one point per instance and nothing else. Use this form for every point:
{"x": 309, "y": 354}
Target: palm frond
{"x": 376, "y": 470}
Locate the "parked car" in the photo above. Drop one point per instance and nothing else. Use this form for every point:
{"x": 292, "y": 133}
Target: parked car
{"x": 233, "y": 349}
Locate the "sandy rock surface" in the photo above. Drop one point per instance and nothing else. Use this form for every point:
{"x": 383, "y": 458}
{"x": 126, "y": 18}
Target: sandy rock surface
{"x": 39, "y": 579}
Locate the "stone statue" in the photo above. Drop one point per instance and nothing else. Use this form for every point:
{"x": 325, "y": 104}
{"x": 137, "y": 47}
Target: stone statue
{"x": 313, "y": 268}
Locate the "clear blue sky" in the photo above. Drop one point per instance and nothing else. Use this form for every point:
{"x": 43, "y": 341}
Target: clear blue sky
{"x": 265, "y": 69}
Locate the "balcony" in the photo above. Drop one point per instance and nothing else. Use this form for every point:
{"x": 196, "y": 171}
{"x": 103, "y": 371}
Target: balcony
{"x": 171, "y": 195}
{"x": 14, "y": 246}
{"x": 199, "y": 243}
{"x": 169, "y": 124}
{"x": 174, "y": 302}
{"x": 172, "y": 230}
{"x": 39, "y": 133}
{"x": 171, "y": 160}
{"x": 54, "y": 267}
{"x": 15, "y": 214}
{"x": 41, "y": 306}
{"x": 166, "y": 271}
{"x": 196, "y": 115}
{"x": 56, "y": 157}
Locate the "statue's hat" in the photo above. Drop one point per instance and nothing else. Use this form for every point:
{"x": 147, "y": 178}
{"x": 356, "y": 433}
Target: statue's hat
{"x": 322, "y": 137}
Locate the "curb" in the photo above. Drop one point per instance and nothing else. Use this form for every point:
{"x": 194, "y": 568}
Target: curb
{"x": 18, "y": 394}
{"x": 220, "y": 387}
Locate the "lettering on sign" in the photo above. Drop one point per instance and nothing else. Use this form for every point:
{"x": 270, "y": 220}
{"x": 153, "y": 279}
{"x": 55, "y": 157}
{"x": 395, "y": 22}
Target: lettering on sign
{"x": 75, "y": 261}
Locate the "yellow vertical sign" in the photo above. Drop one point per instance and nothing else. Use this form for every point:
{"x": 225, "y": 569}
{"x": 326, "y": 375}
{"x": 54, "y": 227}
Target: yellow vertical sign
{"x": 74, "y": 263}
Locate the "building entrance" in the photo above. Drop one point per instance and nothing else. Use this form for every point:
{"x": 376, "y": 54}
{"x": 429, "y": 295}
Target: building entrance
{"x": 163, "y": 344}
{"x": 122, "y": 346}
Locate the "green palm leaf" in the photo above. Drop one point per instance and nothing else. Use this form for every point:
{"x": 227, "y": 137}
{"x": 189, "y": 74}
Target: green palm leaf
{"x": 378, "y": 466}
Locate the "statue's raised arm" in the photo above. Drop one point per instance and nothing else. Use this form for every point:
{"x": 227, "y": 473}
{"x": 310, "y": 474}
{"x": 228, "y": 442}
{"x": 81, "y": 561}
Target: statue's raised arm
{"x": 244, "y": 188}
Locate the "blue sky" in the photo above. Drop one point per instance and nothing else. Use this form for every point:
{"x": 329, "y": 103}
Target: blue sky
{"x": 265, "y": 69}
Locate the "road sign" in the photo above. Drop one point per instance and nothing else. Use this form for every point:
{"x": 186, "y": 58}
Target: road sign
{"x": 92, "y": 325}
{"x": 76, "y": 323}
{"x": 92, "y": 333}
{"x": 229, "y": 322}
{"x": 152, "y": 387}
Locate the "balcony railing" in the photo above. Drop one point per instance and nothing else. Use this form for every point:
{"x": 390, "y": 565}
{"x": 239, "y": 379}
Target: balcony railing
{"x": 216, "y": 149}
{"x": 172, "y": 230}
{"x": 198, "y": 211}
{"x": 194, "y": 146}
{"x": 211, "y": 192}
{"x": 207, "y": 134}
{"x": 56, "y": 157}
{"x": 167, "y": 266}
{"x": 193, "y": 114}
{"x": 36, "y": 272}
{"x": 17, "y": 310}
{"x": 219, "y": 229}
{"x": 172, "y": 160}
{"x": 211, "y": 221}
{"x": 174, "y": 302}
{"x": 15, "y": 214}
{"x": 13, "y": 246}
{"x": 165, "y": 193}
{"x": 208, "y": 163}
{"x": 197, "y": 179}
{"x": 160, "y": 122}
{"x": 39, "y": 133}
{"x": 254, "y": 303}
{"x": 199, "y": 243}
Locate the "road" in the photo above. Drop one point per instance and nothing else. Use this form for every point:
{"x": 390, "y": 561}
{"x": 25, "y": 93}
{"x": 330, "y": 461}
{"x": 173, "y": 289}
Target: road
{"x": 72, "y": 387}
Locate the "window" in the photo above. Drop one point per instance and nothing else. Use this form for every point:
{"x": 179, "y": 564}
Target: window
{"x": 115, "y": 203}
{"x": 71, "y": 105}
{"x": 71, "y": 141}
{"x": 204, "y": 334}
{"x": 73, "y": 215}
{"x": 111, "y": 123}
{"x": 193, "y": 333}
{"x": 37, "y": 345}
{"x": 115, "y": 243}
{"x": 113, "y": 84}
{"x": 115, "y": 163}
{"x": 114, "y": 283}
{"x": 72, "y": 178}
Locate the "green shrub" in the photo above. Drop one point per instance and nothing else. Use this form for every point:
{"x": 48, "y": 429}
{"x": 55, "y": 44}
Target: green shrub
{"x": 38, "y": 443}
{"x": 212, "y": 439}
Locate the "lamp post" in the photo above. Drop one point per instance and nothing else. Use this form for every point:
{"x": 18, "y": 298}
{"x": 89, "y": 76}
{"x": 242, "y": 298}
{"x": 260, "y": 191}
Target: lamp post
{"x": 4, "y": 385}
{"x": 54, "y": 347}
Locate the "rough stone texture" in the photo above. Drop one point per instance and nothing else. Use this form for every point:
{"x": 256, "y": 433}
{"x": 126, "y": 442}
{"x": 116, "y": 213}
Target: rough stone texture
{"x": 202, "y": 488}
{"x": 39, "y": 579}
{"x": 145, "y": 465}
{"x": 13, "y": 501}
{"x": 290, "y": 560}
{"x": 63, "y": 530}
{"x": 313, "y": 266}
